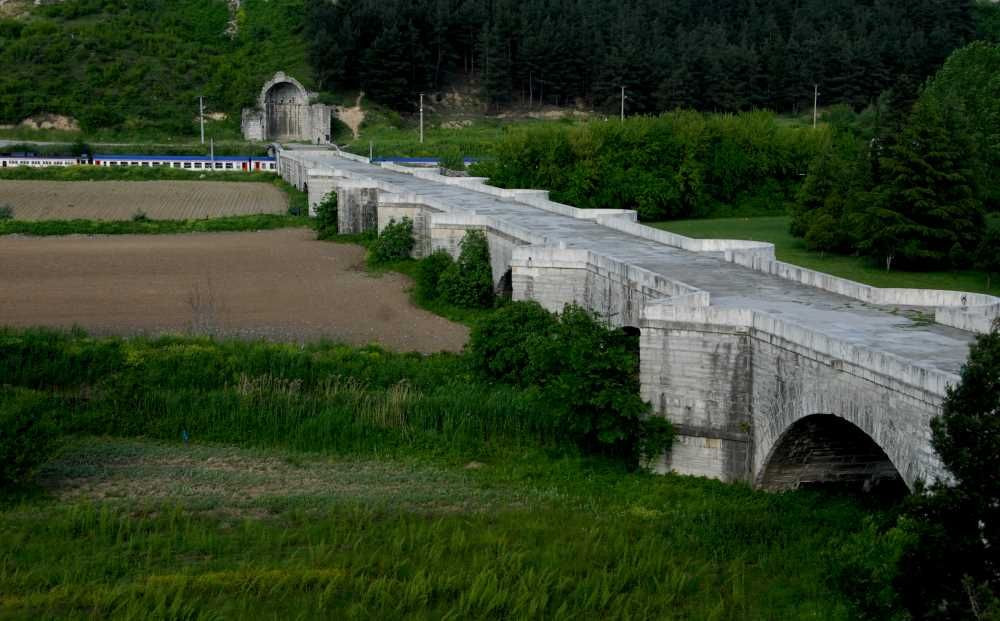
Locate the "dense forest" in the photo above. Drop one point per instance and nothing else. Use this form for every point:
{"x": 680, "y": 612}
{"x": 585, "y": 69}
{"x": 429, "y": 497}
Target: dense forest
{"x": 710, "y": 55}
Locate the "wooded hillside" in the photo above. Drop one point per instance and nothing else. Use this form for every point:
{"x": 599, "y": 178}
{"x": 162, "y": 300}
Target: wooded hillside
{"x": 712, "y": 55}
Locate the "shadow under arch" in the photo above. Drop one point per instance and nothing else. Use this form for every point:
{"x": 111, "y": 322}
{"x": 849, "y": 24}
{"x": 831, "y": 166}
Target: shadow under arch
{"x": 827, "y": 451}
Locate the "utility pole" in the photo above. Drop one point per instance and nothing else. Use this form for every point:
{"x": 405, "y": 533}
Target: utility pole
{"x": 201, "y": 116}
{"x": 212, "y": 150}
{"x": 421, "y": 118}
{"x": 623, "y": 104}
{"x": 815, "y": 101}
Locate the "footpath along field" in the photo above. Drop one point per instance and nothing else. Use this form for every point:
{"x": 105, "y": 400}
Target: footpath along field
{"x": 121, "y": 200}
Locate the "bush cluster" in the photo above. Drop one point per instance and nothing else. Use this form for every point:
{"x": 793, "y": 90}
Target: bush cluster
{"x": 587, "y": 373}
{"x": 681, "y": 164}
{"x": 467, "y": 282}
{"x": 6, "y": 212}
{"x": 394, "y": 243}
{"x": 326, "y": 217}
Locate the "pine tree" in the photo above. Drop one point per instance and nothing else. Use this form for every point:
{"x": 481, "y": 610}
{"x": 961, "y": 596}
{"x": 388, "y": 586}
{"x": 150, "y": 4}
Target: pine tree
{"x": 928, "y": 200}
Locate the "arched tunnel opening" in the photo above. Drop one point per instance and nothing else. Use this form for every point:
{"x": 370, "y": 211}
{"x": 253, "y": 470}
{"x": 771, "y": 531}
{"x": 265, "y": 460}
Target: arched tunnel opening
{"x": 505, "y": 288}
{"x": 827, "y": 452}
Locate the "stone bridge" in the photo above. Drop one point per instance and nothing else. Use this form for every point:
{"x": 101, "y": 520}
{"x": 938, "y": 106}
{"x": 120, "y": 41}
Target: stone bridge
{"x": 771, "y": 373}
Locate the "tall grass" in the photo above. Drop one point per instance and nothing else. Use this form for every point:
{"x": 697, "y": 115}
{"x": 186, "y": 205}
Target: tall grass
{"x": 571, "y": 538}
{"x": 730, "y": 555}
{"x": 315, "y": 398}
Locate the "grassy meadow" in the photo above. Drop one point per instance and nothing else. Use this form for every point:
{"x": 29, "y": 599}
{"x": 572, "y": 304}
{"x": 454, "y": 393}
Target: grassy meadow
{"x": 205, "y": 479}
{"x": 793, "y": 250}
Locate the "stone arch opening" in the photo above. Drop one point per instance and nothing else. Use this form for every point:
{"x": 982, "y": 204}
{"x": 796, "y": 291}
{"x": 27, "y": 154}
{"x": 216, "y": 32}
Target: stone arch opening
{"x": 505, "y": 288}
{"x": 285, "y": 105}
{"x": 827, "y": 451}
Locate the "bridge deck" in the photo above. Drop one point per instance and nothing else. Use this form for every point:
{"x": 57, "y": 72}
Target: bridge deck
{"x": 931, "y": 346}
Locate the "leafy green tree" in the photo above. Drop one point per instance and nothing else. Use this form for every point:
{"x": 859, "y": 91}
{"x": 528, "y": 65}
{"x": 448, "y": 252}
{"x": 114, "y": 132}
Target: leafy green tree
{"x": 588, "y": 374}
{"x": 952, "y": 570}
{"x": 928, "y": 201}
{"x": 469, "y": 281}
{"x": 971, "y": 75}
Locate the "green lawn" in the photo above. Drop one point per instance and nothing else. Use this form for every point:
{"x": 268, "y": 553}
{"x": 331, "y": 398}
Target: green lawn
{"x": 792, "y": 250}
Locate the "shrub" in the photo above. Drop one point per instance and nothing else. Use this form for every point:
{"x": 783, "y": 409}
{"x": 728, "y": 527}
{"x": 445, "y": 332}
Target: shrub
{"x": 140, "y": 216}
{"x": 501, "y": 346}
{"x": 394, "y": 243}
{"x": 864, "y": 566}
{"x": 6, "y": 212}
{"x": 326, "y": 217}
{"x": 469, "y": 281}
{"x": 27, "y": 436}
{"x": 429, "y": 273}
{"x": 587, "y": 373}
{"x": 451, "y": 159}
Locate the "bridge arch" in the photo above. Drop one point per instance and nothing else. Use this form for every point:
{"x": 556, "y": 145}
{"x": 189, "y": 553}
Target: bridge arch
{"x": 830, "y": 451}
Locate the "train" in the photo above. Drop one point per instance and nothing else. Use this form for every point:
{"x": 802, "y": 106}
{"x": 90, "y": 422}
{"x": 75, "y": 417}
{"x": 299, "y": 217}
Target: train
{"x": 193, "y": 163}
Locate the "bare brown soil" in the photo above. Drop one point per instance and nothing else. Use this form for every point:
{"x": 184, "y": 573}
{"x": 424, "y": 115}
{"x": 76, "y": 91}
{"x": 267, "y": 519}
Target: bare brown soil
{"x": 120, "y": 200}
{"x": 277, "y": 285}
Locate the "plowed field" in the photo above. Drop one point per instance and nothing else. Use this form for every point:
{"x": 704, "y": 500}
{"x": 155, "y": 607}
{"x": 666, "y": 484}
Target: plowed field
{"x": 120, "y": 200}
{"x": 278, "y": 285}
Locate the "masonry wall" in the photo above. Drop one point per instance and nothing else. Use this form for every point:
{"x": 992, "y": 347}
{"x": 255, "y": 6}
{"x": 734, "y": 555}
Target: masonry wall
{"x": 357, "y": 208}
{"x": 699, "y": 376}
{"x": 792, "y": 382}
{"x": 319, "y": 186}
{"x": 616, "y": 291}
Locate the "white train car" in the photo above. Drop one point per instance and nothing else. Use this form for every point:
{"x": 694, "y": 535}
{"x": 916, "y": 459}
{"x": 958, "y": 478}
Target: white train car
{"x": 193, "y": 163}
{"x": 39, "y": 161}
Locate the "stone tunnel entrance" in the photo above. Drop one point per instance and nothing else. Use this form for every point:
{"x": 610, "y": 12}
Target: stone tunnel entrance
{"x": 827, "y": 451}
{"x": 285, "y": 106}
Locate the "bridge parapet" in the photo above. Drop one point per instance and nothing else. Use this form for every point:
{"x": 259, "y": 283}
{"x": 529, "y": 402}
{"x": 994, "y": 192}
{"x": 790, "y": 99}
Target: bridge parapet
{"x": 555, "y": 276}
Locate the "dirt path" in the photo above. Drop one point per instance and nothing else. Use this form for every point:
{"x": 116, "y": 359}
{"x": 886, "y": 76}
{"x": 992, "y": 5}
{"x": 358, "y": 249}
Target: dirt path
{"x": 277, "y": 285}
{"x": 120, "y": 200}
{"x": 353, "y": 117}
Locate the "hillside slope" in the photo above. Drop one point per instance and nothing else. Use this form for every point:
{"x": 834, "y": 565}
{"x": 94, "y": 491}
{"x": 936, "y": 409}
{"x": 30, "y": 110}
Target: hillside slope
{"x": 141, "y": 65}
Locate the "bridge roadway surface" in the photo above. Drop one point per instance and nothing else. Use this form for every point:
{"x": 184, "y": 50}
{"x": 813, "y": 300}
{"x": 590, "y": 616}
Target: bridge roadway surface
{"x": 865, "y": 325}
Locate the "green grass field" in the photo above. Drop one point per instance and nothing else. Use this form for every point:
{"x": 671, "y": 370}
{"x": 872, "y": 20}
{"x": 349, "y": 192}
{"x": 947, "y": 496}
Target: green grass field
{"x": 337, "y": 482}
{"x": 792, "y": 250}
